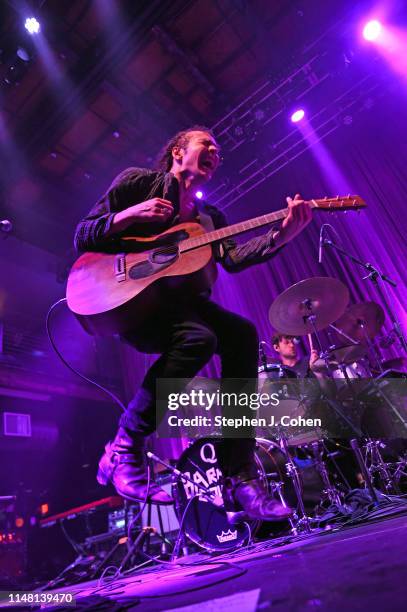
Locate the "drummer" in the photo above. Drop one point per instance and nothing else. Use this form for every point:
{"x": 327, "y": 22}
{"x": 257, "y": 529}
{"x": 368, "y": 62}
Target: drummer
{"x": 301, "y": 367}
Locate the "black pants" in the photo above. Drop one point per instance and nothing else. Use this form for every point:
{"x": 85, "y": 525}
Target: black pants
{"x": 187, "y": 337}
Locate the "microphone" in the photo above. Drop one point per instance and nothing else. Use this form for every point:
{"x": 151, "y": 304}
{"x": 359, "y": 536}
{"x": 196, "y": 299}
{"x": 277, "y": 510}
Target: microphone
{"x": 6, "y": 226}
{"x": 321, "y": 243}
{"x": 263, "y": 355}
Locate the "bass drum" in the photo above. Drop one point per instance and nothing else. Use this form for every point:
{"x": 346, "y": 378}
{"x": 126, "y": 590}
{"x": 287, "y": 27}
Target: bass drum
{"x": 205, "y": 519}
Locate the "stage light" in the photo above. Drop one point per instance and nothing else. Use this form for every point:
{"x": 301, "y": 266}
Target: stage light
{"x": 23, "y": 54}
{"x": 372, "y": 30}
{"x": 199, "y": 195}
{"x": 297, "y": 115}
{"x": 32, "y": 25}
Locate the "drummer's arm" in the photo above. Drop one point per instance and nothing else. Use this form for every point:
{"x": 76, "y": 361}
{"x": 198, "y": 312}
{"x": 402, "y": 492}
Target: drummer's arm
{"x": 326, "y": 383}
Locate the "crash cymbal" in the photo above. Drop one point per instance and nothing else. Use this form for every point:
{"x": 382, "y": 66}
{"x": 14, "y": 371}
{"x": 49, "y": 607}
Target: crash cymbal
{"x": 361, "y": 321}
{"x": 322, "y": 296}
{"x": 346, "y": 354}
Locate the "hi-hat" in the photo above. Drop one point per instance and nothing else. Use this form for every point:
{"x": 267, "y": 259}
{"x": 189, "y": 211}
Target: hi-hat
{"x": 322, "y": 296}
{"x": 361, "y": 321}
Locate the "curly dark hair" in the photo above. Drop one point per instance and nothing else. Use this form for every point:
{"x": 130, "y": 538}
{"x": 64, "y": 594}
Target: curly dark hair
{"x": 277, "y": 337}
{"x": 164, "y": 159}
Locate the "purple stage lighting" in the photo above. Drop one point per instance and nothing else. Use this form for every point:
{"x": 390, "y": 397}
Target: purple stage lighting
{"x": 297, "y": 115}
{"x": 199, "y": 195}
{"x": 372, "y": 30}
{"x": 32, "y": 25}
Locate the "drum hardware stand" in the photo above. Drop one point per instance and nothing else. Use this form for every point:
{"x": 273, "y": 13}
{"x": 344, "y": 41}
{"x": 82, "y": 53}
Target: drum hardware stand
{"x": 400, "y": 469}
{"x": 342, "y": 367}
{"x": 303, "y": 521}
{"x": 364, "y": 470}
{"x": 137, "y": 546}
{"x": 375, "y": 276}
{"x": 380, "y": 467}
{"x": 311, "y": 318}
{"x": 276, "y": 487}
{"x": 330, "y": 490}
{"x": 342, "y": 333}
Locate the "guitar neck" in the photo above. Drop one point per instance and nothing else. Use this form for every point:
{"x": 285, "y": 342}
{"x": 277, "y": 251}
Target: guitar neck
{"x": 237, "y": 228}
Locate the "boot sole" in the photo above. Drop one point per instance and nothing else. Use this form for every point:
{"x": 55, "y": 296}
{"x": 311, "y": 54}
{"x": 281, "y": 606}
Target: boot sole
{"x": 101, "y": 477}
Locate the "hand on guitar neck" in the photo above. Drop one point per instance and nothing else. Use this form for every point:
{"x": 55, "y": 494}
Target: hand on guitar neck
{"x": 299, "y": 215}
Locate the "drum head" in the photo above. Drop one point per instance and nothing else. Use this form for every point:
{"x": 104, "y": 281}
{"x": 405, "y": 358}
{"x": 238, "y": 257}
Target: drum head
{"x": 205, "y": 520}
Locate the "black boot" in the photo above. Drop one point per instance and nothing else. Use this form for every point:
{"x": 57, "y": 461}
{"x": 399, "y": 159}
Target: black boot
{"x": 124, "y": 465}
{"x": 246, "y": 498}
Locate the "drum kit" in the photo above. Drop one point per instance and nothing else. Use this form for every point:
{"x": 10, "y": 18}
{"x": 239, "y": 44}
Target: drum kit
{"x": 302, "y": 470}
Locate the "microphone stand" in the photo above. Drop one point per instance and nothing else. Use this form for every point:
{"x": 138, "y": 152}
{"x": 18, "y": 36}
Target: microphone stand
{"x": 177, "y": 475}
{"x": 375, "y": 275}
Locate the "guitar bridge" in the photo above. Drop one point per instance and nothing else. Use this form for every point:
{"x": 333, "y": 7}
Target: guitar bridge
{"x": 120, "y": 267}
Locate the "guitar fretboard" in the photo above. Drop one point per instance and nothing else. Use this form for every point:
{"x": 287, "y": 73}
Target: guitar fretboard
{"x": 237, "y": 228}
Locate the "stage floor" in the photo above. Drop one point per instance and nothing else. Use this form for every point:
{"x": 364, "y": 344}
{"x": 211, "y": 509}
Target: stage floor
{"x": 355, "y": 568}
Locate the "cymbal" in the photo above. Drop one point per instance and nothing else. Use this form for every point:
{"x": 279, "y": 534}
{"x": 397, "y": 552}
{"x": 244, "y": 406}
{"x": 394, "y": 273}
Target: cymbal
{"x": 339, "y": 356}
{"x": 361, "y": 320}
{"x": 322, "y": 296}
{"x": 346, "y": 354}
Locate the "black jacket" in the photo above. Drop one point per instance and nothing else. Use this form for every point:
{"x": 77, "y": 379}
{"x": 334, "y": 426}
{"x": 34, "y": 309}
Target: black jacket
{"x": 135, "y": 185}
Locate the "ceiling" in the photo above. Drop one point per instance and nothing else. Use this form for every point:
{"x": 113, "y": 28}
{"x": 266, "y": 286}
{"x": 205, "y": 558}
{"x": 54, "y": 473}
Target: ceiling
{"x": 109, "y": 82}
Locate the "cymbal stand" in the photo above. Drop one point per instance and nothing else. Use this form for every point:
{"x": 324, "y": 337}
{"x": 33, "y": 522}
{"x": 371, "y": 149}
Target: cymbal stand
{"x": 376, "y": 465}
{"x": 379, "y": 279}
{"x": 342, "y": 333}
{"x": 364, "y": 470}
{"x": 400, "y": 470}
{"x": 330, "y": 490}
{"x": 277, "y": 487}
{"x": 311, "y": 318}
{"x": 303, "y": 521}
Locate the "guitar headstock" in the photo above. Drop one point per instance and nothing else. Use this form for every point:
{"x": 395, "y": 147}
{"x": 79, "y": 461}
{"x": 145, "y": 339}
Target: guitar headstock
{"x": 349, "y": 202}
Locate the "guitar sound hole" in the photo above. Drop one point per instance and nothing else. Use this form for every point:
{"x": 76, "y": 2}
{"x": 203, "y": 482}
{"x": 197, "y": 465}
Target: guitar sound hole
{"x": 164, "y": 256}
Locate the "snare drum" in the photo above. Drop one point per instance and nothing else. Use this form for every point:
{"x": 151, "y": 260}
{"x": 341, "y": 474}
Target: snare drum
{"x": 358, "y": 369}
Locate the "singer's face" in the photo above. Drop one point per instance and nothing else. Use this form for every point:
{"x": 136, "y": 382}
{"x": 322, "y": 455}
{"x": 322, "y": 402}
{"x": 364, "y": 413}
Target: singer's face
{"x": 287, "y": 347}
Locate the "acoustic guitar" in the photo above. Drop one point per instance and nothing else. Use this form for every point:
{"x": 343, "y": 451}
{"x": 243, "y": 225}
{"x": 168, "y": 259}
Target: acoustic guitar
{"x": 115, "y": 293}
